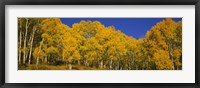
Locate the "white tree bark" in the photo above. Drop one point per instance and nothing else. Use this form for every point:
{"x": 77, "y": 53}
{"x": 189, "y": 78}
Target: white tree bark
{"x": 26, "y": 30}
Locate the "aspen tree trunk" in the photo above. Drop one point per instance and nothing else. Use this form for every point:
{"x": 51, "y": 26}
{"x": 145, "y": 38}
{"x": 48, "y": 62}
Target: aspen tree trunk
{"x": 170, "y": 53}
{"x": 101, "y": 64}
{"x": 86, "y": 62}
{"x": 46, "y": 60}
{"x": 111, "y": 64}
{"x": 116, "y": 65}
{"x": 28, "y": 47}
{"x": 70, "y": 65}
{"x": 20, "y": 46}
{"x": 27, "y": 24}
{"x": 30, "y": 51}
{"x": 20, "y": 41}
{"x": 39, "y": 52}
{"x": 31, "y": 44}
{"x": 78, "y": 62}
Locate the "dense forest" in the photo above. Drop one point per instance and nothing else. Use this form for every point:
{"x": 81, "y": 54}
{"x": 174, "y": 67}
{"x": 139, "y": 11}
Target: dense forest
{"x": 48, "y": 44}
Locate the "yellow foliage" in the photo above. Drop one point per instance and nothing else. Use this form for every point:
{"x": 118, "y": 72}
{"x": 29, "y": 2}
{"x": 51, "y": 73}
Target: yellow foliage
{"x": 161, "y": 48}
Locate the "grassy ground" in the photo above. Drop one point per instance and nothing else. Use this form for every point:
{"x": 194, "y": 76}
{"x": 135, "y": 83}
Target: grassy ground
{"x": 57, "y": 67}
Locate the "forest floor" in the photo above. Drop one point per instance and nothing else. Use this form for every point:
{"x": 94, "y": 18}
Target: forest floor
{"x": 56, "y": 67}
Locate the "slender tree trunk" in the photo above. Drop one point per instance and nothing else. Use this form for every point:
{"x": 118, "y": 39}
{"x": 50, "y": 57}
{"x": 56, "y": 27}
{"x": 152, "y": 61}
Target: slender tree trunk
{"x": 170, "y": 49}
{"x": 86, "y": 62}
{"x": 27, "y": 24}
{"x": 38, "y": 54}
{"x": 78, "y": 62}
{"x": 20, "y": 41}
{"x": 31, "y": 44}
{"x": 46, "y": 60}
{"x": 70, "y": 65}
{"x": 20, "y": 46}
{"x": 110, "y": 64}
{"x": 101, "y": 64}
{"x": 28, "y": 47}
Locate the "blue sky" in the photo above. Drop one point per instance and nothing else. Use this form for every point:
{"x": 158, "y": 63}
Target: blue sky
{"x": 136, "y": 27}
